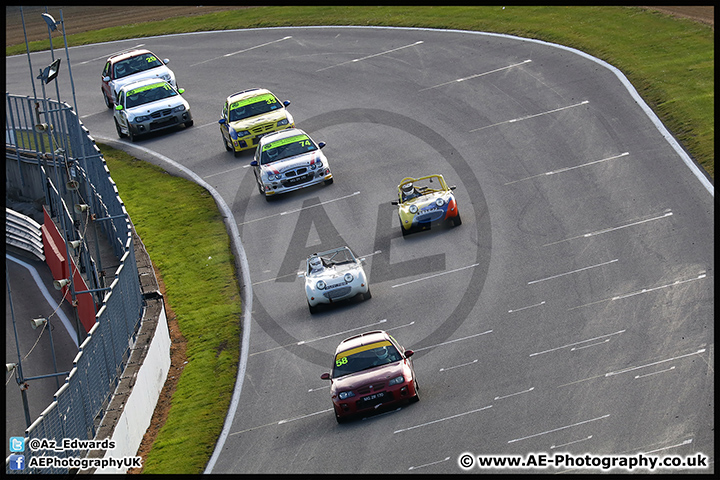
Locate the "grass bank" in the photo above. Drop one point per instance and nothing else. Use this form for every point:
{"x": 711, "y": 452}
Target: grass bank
{"x": 185, "y": 236}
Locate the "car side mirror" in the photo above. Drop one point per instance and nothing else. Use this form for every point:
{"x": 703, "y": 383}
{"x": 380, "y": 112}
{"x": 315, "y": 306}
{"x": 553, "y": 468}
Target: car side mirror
{"x": 254, "y": 163}
{"x": 453, "y": 187}
{"x": 409, "y": 353}
{"x": 221, "y": 121}
{"x": 362, "y": 260}
{"x": 166, "y": 60}
{"x": 301, "y": 274}
{"x": 321, "y": 144}
{"x": 181, "y": 91}
{"x": 118, "y": 107}
{"x": 325, "y": 376}
{"x": 394, "y": 202}
{"x": 106, "y": 79}
{"x": 286, "y": 102}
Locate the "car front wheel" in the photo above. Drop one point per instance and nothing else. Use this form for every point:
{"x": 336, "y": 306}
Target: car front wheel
{"x": 416, "y": 398}
{"x": 119, "y": 132}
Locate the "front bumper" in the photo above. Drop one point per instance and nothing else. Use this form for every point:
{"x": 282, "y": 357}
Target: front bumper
{"x": 288, "y": 185}
{"x": 161, "y": 120}
{"x": 374, "y": 400}
{"x": 337, "y": 294}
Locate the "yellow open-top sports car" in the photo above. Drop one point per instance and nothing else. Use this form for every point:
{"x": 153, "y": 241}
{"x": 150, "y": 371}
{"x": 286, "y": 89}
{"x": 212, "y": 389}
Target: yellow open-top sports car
{"x": 424, "y": 202}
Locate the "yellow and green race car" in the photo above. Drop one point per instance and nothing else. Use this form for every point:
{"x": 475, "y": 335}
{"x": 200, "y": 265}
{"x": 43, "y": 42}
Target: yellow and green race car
{"x": 424, "y": 202}
{"x": 249, "y": 115}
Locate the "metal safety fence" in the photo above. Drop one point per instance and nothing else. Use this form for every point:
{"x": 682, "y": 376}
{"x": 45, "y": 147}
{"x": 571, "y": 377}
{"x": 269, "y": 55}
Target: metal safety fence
{"x": 51, "y": 155}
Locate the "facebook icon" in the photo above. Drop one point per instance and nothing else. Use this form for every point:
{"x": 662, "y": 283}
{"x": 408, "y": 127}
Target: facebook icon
{"x": 17, "y": 462}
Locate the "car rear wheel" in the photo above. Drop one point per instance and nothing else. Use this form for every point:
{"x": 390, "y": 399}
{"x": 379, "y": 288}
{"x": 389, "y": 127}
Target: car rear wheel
{"x": 108, "y": 102}
{"x": 189, "y": 124}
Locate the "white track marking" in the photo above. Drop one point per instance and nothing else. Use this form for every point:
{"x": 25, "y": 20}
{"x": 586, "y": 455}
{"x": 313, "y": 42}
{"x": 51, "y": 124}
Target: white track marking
{"x": 612, "y": 229}
{"x": 241, "y": 51}
{"x": 574, "y": 271}
{"x": 558, "y": 429}
{"x": 442, "y": 419}
{"x": 577, "y": 343}
{"x": 529, "y": 116}
{"x": 553, "y": 172}
{"x": 371, "y": 56}
{"x": 452, "y": 341}
{"x": 300, "y": 209}
{"x": 475, "y": 76}
{"x": 435, "y": 275}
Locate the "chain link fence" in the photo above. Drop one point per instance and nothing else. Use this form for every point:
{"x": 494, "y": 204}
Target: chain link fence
{"x": 51, "y": 158}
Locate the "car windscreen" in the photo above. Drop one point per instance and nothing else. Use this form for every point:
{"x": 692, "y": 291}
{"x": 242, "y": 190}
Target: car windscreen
{"x": 286, "y": 148}
{"x": 136, "y": 64}
{"x": 365, "y": 357}
{"x": 251, "y": 107}
{"x": 148, "y": 93}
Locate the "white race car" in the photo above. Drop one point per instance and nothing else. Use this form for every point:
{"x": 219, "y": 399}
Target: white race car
{"x": 288, "y": 160}
{"x": 334, "y": 275}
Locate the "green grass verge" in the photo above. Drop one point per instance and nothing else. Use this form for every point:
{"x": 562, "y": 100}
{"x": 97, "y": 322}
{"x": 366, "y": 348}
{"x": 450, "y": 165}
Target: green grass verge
{"x": 670, "y": 61}
{"x": 186, "y": 238}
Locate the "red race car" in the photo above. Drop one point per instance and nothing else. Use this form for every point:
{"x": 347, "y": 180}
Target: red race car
{"x": 371, "y": 370}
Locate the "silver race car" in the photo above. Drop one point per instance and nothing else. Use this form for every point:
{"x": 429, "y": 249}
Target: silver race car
{"x": 288, "y": 160}
{"x": 334, "y": 275}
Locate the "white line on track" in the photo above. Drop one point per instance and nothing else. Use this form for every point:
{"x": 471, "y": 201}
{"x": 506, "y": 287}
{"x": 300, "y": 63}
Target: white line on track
{"x": 429, "y": 464}
{"x": 371, "y": 56}
{"x": 475, "y": 76}
{"x": 684, "y": 442}
{"x": 577, "y": 343}
{"x": 224, "y": 172}
{"x": 644, "y": 290}
{"x": 304, "y": 416}
{"x": 668, "y": 213}
{"x": 574, "y": 271}
{"x": 242, "y": 51}
{"x": 442, "y": 419}
{"x": 525, "y": 308}
{"x": 655, "y": 373}
{"x": 553, "y": 172}
{"x": 451, "y": 341}
{"x": 435, "y": 275}
{"x": 300, "y": 209}
{"x": 630, "y": 369}
{"x": 588, "y": 346}
{"x": 571, "y": 443}
{"x": 529, "y": 116}
{"x": 458, "y": 366}
{"x": 516, "y": 393}
{"x": 303, "y": 342}
{"x": 560, "y": 428}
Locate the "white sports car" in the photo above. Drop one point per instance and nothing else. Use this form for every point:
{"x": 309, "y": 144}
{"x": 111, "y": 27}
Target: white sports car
{"x": 334, "y": 275}
{"x": 288, "y": 160}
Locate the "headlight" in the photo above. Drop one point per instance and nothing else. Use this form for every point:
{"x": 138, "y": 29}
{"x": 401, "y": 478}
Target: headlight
{"x": 276, "y": 177}
{"x": 166, "y": 77}
{"x": 413, "y": 209}
{"x": 320, "y": 285}
{"x": 242, "y": 133}
{"x": 348, "y": 277}
{"x": 344, "y": 395}
{"x": 141, "y": 118}
{"x": 179, "y": 108}
{"x": 282, "y": 122}
{"x": 397, "y": 380}
{"x": 439, "y": 202}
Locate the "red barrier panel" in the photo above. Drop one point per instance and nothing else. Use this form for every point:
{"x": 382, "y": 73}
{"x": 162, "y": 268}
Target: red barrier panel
{"x": 54, "y": 246}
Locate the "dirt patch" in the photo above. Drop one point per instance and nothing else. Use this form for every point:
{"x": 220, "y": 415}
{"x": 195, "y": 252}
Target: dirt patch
{"x": 78, "y": 19}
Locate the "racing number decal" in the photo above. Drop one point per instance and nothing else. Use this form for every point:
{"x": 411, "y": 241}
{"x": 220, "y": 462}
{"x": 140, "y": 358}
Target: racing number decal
{"x": 342, "y": 361}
